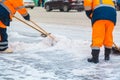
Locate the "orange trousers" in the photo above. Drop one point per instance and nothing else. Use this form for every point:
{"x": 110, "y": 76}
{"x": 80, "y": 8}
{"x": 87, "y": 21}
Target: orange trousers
{"x": 102, "y": 34}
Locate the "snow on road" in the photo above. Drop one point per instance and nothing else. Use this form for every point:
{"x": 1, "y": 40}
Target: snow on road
{"x": 35, "y": 59}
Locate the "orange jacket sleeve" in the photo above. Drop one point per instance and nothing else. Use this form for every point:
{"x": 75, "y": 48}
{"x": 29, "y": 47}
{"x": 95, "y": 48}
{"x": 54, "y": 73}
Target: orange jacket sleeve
{"x": 19, "y": 6}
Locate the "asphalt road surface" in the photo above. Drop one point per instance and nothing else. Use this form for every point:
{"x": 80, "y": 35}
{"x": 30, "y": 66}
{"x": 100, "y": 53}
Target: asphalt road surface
{"x": 56, "y": 17}
{"x": 73, "y": 18}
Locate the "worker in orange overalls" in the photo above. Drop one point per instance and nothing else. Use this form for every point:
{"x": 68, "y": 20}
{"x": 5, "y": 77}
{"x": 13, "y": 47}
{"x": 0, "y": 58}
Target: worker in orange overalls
{"x": 7, "y": 10}
{"x": 103, "y": 17}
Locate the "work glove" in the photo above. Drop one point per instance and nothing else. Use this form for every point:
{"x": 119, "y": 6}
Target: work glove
{"x": 27, "y": 17}
{"x": 89, "y": 13}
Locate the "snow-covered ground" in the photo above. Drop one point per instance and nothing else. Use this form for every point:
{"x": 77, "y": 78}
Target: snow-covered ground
{"x": 35, "y": 59}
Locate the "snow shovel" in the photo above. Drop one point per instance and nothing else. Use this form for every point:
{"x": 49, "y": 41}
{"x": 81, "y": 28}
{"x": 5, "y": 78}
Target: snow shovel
{"x": 115, "y": 49}
{"x": 43, "y": 35}
{"x": 39, "y": 29}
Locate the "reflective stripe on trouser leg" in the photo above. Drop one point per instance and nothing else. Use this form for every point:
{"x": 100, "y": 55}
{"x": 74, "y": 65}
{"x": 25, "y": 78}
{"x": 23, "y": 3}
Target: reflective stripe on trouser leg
{"x": 102, "y": 33}
{"x": 3, "y": 41}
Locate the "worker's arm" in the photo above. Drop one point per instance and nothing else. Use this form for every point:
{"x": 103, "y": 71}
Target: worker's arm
{"x": 88, "y": 8}
{"x": 89, "y": 13}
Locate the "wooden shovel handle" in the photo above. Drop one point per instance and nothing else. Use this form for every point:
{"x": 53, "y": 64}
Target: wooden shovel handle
{"x": 38, "y": 27}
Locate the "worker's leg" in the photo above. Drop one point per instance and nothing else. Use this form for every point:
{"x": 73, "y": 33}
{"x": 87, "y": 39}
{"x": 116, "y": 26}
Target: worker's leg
{"x": 3, "y": 37}
{"x": 108, "y": 40}
{"x": 98, "y": 32}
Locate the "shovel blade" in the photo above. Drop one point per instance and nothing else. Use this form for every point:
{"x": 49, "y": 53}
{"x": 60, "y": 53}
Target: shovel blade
{"x": 50, "y": 40}
{"x": 115, "y": 50}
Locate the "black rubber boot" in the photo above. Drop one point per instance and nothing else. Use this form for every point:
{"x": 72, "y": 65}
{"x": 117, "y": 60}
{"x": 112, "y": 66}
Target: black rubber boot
{"x": 95, "y": 56}
{"x": 107, "y": 53}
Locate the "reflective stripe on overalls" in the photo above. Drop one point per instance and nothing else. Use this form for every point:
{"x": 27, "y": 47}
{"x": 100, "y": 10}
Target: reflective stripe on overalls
{"x": 101, "y": 4}
{"x": 102, "y": 28}
{"x": 4, "y": 37}
{"x": 3, "y": 32}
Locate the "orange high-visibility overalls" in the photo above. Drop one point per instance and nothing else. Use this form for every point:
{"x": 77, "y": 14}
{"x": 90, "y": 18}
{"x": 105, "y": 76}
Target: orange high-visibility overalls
{"x": 103, "y": 17}
{"x": 7, "y": 9}
{"x": 12, "y": 6}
